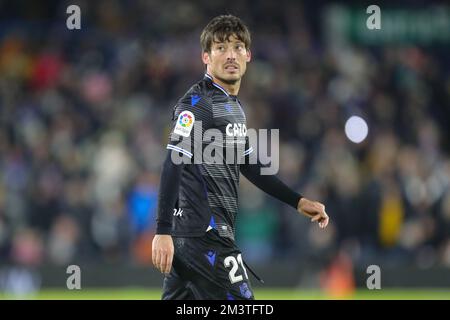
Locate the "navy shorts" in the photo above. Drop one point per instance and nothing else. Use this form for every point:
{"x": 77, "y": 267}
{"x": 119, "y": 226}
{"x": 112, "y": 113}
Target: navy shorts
{"x": 209, "y": 267}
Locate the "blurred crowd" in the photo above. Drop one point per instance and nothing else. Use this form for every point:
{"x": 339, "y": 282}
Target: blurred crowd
{"x": 85, "y": 116}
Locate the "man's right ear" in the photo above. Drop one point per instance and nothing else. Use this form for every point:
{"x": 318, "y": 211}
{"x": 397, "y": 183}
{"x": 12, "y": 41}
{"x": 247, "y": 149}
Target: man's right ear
{"x": 205, "y": 57}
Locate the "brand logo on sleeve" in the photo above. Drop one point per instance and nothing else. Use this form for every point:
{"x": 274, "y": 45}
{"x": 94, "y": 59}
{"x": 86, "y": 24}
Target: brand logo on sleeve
{"x": 184, "y": 124}
{"x": 195, "y": 99}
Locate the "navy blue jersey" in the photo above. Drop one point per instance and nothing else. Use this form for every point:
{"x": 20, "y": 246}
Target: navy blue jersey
{"x": 209, "y": 130}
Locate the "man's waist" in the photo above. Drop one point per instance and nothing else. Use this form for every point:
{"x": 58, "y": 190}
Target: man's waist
{"x": 187, "y": 227}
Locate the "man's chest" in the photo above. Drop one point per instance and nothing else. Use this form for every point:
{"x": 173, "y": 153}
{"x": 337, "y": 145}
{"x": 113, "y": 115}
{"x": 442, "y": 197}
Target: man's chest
{"x": 229, "y": 118}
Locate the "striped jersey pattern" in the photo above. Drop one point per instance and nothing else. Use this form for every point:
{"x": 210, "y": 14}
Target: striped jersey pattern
{"x": 208, "y": 192}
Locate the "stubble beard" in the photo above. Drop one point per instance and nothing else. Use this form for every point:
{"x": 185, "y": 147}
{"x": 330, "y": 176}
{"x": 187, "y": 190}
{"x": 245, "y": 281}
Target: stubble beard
{"x": 229, "y": 81}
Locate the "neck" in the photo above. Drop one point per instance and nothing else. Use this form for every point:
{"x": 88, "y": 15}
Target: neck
{"x": 231, "y": 88}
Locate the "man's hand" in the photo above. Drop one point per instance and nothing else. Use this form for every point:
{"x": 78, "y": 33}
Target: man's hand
{"x": 314, "y": 210}
{"x": 162, "y": 252}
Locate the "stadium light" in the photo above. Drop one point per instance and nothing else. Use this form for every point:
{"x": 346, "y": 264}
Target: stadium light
{"x": 356, "y": 129}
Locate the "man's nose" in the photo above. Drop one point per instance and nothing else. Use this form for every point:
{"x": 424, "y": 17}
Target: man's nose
{"x": 231, "y": 54}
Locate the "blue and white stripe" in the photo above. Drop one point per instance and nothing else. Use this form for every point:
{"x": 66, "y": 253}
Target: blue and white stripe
{"x": 248, "y": 151}
{"x": 216, "y": 85}
{"x": 176, "y": 148}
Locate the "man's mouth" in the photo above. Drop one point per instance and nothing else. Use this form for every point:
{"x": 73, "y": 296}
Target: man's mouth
{"x": 231, "y": 67}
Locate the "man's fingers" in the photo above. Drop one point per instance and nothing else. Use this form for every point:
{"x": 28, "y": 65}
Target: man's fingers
{"x": 316, "y": 217}
{"x": 325, "y": 223}
{"x": 162, "y": 253}
{"x": 157, "y": 260}
{"x": 168, "y": 263}
{"x": 155, "y": 253}
{"x": 163, "y": 262}
{"x": 316, "y": 211}
{"x": 154, "y": 257}
{"x": 320, "y": 217}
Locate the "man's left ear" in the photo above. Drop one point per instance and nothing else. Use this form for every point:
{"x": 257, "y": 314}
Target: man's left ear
{"x": 249, "y": 55}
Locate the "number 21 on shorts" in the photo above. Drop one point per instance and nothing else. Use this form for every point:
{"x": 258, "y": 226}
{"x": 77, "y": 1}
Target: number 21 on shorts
{"x": 234, "y": 263}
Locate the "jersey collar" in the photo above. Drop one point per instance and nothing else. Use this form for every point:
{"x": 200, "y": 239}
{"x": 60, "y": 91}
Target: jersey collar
{"x": 216, "y": 85}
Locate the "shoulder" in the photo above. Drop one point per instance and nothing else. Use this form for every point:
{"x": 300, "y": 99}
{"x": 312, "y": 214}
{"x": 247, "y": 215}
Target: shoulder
{"x": 196, "y": 102}
{"x": 200, "y": 94}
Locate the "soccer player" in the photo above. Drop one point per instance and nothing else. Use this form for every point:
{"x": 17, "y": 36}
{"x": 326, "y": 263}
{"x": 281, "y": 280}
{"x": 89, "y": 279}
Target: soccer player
{"x": 194, "y": 245}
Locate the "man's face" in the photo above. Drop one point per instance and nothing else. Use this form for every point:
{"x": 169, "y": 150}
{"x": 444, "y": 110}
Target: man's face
{"x": 227, "y": 60}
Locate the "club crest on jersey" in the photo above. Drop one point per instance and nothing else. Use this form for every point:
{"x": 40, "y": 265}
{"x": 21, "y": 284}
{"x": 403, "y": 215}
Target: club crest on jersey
{"x": 184, "y": 124}
{"x": 245, "y": 290}
{"x": 236, "y": 130}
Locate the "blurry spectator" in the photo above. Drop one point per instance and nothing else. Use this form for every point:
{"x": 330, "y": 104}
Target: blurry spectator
{"x": 142, "y": 205}
{"x": 62, "y": 241}
{"x": 27, "y": 248}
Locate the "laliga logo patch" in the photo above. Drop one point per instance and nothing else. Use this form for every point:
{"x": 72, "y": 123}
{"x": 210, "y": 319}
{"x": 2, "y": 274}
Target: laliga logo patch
{"x": 185, "y": 120}
{"x": 184, "y": 124}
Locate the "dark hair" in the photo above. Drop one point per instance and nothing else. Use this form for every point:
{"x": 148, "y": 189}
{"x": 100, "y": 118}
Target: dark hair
{"x": 221, "y": 28}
